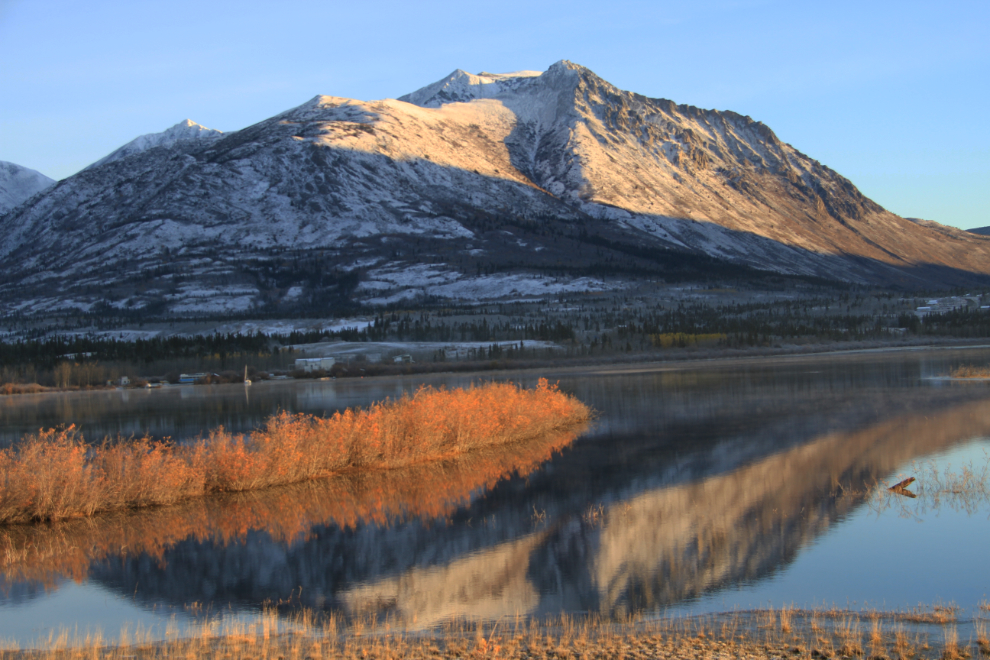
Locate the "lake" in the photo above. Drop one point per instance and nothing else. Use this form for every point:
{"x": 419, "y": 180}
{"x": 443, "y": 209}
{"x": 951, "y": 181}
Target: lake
{"x": 700, "y": 487}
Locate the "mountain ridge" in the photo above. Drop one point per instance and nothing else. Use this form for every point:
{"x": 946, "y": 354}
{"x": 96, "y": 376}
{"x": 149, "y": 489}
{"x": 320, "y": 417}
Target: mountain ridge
{"x": 509, "y": 179}
{"x": 19, "y": 183}
{"x": 186, "y": 129}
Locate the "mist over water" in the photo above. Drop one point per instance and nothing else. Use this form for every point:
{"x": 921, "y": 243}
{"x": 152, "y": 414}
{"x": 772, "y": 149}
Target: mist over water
{"x": 703, "y": 488}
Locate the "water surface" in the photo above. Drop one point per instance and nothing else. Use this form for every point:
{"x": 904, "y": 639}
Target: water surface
{"x": 706, "y": 488}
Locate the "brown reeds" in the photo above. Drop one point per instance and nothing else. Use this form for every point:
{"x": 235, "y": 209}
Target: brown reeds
{"x": 6, "y": 389}
{"x": 964, "y": 489}
{"x": 55, "y": 475}
{"x": 970, "y": 371}
{"x": 48, "y": 552}
{"x": 304, "y": 635}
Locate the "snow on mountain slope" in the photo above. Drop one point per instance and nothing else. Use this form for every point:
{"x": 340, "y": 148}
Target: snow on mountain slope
{"x": 186, "y": 129}
{"x": 462, "y": 87}
{"x": 18, "y": 184}
{"x": 687, "y": 175}
{"x": 522, "y": 175}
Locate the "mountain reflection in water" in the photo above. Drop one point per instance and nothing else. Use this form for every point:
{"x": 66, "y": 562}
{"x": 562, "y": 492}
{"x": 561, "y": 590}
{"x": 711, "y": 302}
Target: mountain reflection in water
{"x": 688, "y": 483}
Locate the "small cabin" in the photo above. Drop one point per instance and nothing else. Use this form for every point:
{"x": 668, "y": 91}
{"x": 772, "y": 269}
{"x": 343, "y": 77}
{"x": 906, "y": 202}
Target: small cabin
{"x": 315, "y": 364}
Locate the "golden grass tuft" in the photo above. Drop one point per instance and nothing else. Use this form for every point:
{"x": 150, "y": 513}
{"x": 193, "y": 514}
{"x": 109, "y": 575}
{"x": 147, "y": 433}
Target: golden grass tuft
{"x": 7, "y": 389}
{"x": 54, "y": 475}
{"x": 49, "y": 552}
{"x": 970, "y": 371}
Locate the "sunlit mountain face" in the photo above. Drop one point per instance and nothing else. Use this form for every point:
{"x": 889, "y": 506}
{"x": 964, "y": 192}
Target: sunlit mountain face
{"x": 474, "y": 187}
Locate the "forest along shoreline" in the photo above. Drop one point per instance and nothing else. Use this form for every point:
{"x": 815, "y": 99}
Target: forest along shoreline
{"x": 55, "y": 475}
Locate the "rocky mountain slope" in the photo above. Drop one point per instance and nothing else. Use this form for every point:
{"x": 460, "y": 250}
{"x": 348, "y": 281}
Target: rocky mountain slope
{"x": 477, "y": 186}
{"x": 18, "y": 184}
{"x": 186, "y": 129}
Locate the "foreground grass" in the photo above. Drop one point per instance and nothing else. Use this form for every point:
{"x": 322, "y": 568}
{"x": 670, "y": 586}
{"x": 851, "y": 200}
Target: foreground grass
{"x": 771, "y": 634}
{"x": 55, "y": 475}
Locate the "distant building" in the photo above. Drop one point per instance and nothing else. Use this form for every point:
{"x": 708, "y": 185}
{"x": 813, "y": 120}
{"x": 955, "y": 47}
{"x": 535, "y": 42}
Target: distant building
{"x": 315, "y": 364}
{"x": 402, "y": 358}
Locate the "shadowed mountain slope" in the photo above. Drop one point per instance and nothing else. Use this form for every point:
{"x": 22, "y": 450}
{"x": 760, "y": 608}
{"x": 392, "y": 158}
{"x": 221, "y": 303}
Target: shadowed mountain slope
{"x": 340, "y": 200}
{"x": 18, "y": 184}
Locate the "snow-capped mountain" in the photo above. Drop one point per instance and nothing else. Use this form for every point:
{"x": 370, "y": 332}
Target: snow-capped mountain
{"x": 477, "y": 186}
{"x": 186, "y": 129}
{"x": 17, "y": 184}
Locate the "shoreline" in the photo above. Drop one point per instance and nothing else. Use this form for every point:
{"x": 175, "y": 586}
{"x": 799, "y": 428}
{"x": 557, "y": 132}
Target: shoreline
{"x": 603, "y": 364}
{"x": 935, "y": 632}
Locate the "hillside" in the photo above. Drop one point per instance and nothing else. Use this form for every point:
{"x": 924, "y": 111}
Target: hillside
{"x": 475, "y": 187}
{"x": 18, "y": 184}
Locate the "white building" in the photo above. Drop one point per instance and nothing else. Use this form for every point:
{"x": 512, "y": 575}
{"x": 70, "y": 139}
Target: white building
{"x": 315, "y": 364}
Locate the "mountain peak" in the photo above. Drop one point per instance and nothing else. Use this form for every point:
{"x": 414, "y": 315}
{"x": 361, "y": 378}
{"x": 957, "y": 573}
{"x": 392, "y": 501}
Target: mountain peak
{"x": 462, "y": 87}
{"x": 18, "y": 183}
{"x": 188, "y": 126}
{"x": 494, "y": 181}
{"x": 186, "y": 129}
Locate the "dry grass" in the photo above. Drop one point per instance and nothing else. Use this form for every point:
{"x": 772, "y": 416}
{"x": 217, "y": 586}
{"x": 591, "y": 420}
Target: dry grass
{"x": 712, "y": 637}
{"x": 55, "y": 475}
{"x": 48, "y": 552}
{"x": 23, "y": 388}
{"x": 964, "y": 489}
{"x": 970, "y": 371}
{"x": 982, "y": 640}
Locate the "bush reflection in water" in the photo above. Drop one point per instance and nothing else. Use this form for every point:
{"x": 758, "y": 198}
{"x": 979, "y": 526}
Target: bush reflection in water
{"x": 55, "y": 475}
{"x": 49, "y": 552}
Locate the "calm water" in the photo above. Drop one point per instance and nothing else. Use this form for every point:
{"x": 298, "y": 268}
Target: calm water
{"x": 710, "y": 488}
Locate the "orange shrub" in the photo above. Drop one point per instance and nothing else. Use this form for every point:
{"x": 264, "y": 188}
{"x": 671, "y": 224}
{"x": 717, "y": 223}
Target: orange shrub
{"x": 47, "y": 553}
{"x": 54, "y": 475}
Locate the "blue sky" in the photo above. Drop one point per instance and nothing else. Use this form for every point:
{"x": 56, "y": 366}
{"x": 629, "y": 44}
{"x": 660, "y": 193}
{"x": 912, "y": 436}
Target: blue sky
{"x": 893, "y": 95}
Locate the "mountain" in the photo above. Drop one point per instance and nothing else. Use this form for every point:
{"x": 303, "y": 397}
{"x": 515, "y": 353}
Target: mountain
{"x": 184, "y": 130}
{"x": 982, "y": 231}
{"x": 475, "y": 187}
{"x": 18, "y": 184}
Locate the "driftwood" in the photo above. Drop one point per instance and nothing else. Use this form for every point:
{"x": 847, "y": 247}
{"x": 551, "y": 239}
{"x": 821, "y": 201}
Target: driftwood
{"x": 900, "y": 488}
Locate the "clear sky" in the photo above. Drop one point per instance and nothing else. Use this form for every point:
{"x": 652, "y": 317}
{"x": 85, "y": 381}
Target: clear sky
{"x": 893, "y": 95}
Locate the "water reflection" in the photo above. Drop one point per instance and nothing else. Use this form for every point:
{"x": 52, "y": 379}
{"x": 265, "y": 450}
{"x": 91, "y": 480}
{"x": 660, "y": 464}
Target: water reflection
{"x": 689, "y": 482}
{"x": 183, "y": 412}
{"x": 668, "y": 544}
{"x": 47, "y": 553}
